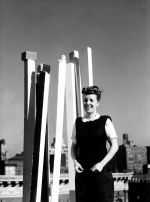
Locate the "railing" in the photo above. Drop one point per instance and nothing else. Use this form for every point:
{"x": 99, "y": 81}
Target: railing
{"x": 12, "y": 186}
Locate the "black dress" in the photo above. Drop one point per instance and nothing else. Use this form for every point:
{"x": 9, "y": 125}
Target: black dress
{"x": 91, "y": 149}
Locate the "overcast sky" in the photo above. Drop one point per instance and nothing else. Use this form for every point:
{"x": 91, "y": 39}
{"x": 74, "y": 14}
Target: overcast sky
{"x": 118, "y": 31}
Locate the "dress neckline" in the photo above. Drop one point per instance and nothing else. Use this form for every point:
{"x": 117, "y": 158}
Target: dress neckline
{"x": 86, "y": 120}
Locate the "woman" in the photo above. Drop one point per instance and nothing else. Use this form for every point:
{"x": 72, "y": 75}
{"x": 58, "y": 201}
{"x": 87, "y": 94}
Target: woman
{"x": 93, "y": 180}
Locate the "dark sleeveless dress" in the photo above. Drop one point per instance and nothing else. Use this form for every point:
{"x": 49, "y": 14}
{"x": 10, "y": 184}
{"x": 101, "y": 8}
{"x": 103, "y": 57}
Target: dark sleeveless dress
{"x": 91, "y": 149}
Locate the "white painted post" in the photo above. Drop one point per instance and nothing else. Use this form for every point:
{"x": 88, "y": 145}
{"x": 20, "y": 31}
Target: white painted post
{"x": 86, "y": 68}
{"x": 29, "y": 59}
{"x": 59, "y": 128}
{"x": 74, "y": 58}
{"x": 70, "y": 119}
{"x": 89, "y": 66}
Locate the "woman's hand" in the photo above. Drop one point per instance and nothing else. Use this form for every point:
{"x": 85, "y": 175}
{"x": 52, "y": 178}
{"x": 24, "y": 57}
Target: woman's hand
{"x": 97, "y": 167}
{"x": 78, "y": 167}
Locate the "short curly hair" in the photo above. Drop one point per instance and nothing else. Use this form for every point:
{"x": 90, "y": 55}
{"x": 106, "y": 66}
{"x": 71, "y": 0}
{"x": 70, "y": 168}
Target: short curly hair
{"x": 92, "y": 90}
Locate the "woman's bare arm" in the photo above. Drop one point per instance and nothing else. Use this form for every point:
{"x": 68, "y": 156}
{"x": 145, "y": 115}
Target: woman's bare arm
{"x": 112, "y": 137}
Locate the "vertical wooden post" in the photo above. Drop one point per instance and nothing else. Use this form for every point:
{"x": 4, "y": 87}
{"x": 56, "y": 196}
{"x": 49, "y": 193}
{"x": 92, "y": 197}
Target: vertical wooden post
{"x": 29, "y": 59}
{"x": 59, "y": 128}
{"x": 44, "y": 134}
{"x": 40, "y": 136}
{"x": 89, "y": 66}
{"x": 87, "y": 70}
{"x": 74, "y": 58}
{"x": 70, "y": 119}
{"x": 45, "y": 192}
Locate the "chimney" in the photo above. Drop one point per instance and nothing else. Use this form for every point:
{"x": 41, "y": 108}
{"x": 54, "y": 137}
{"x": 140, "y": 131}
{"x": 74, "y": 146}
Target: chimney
{"x": 125, "y": 139}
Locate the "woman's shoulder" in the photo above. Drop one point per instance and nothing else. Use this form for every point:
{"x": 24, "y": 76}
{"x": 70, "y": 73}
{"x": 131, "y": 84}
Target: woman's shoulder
{"x": 78, "y": 120}
{"x": 105, "y": 117}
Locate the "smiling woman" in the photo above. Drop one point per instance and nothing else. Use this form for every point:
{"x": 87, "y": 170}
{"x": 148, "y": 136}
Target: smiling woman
{"x": 93, "y": 179}
{"x": 91, "y": 98}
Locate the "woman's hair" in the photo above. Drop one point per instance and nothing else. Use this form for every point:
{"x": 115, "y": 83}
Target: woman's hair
{"x": 92, "y": 90}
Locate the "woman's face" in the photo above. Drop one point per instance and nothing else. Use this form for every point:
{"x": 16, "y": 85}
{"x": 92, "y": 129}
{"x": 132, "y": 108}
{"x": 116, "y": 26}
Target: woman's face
{"x": 90, "y": 103}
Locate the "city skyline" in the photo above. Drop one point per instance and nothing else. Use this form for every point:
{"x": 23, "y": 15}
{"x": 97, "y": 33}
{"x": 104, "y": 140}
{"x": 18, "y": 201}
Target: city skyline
{"x": 117, "y": 32}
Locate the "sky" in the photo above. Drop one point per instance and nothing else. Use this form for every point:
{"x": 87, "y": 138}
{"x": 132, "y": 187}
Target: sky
{"x": 118, "y": 31}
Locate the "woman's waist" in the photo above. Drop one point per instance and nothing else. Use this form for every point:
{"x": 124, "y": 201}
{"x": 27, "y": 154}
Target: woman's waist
{"x": 88, "y": 163}
{"x": 104, "y": 174}
{"x": 92, "y": 154}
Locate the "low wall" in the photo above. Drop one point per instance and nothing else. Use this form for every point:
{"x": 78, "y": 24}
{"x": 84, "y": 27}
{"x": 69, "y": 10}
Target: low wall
{"x": 11, "y": 187}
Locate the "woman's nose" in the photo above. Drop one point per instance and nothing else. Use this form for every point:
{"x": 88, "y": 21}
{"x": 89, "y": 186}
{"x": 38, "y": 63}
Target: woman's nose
{"x": 88, "y": 101}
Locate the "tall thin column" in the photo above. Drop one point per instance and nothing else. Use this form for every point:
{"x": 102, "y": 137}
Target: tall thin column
{"x": 59, "y": 127}
{"x": 40, "y": 154}
{"x": 70, "y": 119}
{"x": 89, "y": 66}
{"x": 74, "y": 58}
{"x": 29, "y": 59}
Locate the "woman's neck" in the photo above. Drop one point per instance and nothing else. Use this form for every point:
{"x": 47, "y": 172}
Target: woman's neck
{"x": 90, "y": 115}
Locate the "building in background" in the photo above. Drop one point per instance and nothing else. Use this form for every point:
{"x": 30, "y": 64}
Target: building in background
{"x": 14, "y": 165}
{"x": 130, "y": 157}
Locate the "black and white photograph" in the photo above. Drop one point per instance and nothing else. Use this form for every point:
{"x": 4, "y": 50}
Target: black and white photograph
{"x": 75, "y": 101}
